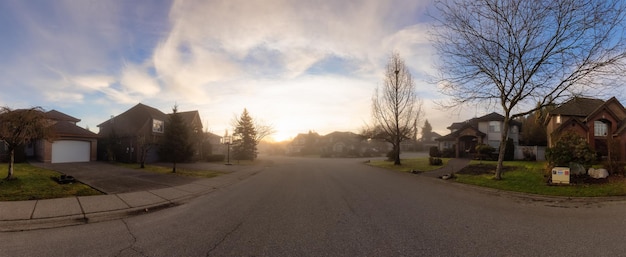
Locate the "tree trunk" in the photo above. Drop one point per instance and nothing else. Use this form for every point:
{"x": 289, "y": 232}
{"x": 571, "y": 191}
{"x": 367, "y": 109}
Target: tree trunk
{"x": 396, "y": 154}
{"x": 503, "y": 139}
{"x": 11, "y": 163}
{"x": 174, "y": 168}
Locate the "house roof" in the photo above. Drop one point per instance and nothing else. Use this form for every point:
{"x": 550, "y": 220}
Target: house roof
{"x": 67, "y": 128}
{"x": 578, "y": 106}
{"x": 59, "y": 116}
{"x": 585, "y": 108}
{"x": 133, "y": 119}
{"x": 494, "y": 116}
{"x": 189, "y": 118}
{"x": 454, "y": 135}
{"x": 138, "y": 111}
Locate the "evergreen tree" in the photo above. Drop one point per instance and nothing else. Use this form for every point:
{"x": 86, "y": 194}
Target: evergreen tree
{"x": 175, "y": 145}
{"x": 427, "y": 129}
{"x": 244, "y": 147}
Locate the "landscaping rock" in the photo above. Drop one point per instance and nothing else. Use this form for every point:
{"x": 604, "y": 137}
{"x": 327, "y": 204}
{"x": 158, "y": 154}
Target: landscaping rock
{"x": 598, "y": 173}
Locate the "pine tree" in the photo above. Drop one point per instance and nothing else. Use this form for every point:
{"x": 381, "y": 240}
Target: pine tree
{"x": 244, "y": 147}
{"x": 427, "y": 129}
{"x": 175, "y": 145}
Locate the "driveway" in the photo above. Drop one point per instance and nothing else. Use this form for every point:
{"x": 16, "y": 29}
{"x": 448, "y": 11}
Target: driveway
{"x": 112, "y": 179}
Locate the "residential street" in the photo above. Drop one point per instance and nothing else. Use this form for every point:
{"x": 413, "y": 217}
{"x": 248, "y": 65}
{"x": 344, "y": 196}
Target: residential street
{"x": 341, "y": 207}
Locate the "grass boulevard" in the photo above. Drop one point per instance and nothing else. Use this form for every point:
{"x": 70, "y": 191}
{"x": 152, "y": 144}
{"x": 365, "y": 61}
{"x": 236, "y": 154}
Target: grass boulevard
{"x": 34, "y": 183}
{"x": 519, "y": 176}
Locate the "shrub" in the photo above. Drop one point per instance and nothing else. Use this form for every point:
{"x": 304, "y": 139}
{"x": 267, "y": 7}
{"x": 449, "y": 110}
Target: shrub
{"x": 434, "y": 161}
{"x": 529, "y": 154}
{"x": 509, "y": 150}
{"x": 215, "y": 158}
{"x": 391, "y": 156}
{"x": 484, "y": 151}
{"x": 448, "y": 153}
{"x": 434, "y": 152}
{"x": 570, "y": 148}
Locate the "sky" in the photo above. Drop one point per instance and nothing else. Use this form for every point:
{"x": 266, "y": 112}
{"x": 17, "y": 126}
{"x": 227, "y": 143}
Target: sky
{"x": 295, "y": 65}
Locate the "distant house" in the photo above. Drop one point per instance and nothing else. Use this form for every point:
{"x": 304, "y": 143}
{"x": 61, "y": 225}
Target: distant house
{"x": 123, "y": 137}
{"x": 71, "y": 143}
{"x": 429, "y": 140}
{"x": 336, "y": 144}
{"x": 598, "y": 121}
{"x": 464, "y": 136}
{"x": 214, "y": 143}
{"x": 304, "y": 144}
{"x": 341, "y": 144}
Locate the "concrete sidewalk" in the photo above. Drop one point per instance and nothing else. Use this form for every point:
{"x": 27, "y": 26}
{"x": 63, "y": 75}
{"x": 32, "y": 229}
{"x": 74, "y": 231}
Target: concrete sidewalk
{"x": 453, "y": 166}
{"x": 50, "y": 213}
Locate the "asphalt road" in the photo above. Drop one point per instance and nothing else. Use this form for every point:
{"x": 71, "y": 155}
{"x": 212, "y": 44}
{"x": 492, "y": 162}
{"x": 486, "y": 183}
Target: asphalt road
{"x": 340, "y": 207}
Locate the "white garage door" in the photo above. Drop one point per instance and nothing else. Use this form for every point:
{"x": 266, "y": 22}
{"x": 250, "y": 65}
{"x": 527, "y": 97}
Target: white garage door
{"x": 70, "y": 151}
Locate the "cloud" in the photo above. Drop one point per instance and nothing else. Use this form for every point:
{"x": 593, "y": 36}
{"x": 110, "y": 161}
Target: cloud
{"x": 216, "y": 41}
{"x": 60, "y": 96}
{"x": 136, "y": 80}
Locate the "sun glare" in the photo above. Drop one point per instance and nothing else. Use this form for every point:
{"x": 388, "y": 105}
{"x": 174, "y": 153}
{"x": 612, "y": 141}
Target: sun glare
{"x": 279, "y": 136}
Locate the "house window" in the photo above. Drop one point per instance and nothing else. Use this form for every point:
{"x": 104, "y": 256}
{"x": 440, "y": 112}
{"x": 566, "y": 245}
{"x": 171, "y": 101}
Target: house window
{"x": 558, "y": 119}
{"x": 494, "y": 126}
{"x": 157, "y": 126}
{"x": 600, "y": 129}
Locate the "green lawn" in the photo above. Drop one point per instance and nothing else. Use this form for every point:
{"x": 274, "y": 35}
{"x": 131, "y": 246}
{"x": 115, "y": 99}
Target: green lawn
{"x": 32, "y": 183}
{"x": 528, "y": 177}
{"x": 521, "y": 176}
{"x": 168, "y": 170}
{"x": 419, "y": 164}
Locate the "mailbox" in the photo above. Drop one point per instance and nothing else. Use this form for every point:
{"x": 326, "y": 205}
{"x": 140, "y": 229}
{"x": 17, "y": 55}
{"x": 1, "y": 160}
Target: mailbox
{"x": 560, "y": 175}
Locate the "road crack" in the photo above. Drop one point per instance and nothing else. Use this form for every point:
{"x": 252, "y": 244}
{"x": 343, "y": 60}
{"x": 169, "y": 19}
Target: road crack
{"x": 223, "y": 239}
{"x": 131, "y": 247}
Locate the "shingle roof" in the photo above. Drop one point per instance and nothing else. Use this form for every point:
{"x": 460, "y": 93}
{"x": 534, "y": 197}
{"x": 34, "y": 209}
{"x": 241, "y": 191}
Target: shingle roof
{"x": 59, "y": 116}
{"x": 133, "y": 119}
{"x": 457, "y": 133}
{"x": 66, "y": 128}
{"x": 189, "y": 117}
{"x": 578, "y": 106}
{"x": 494, "y": 116}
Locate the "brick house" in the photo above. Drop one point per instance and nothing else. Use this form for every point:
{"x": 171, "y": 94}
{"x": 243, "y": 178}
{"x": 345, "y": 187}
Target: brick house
{"x": 600, "y": 122}
{"x": 71, "y": 143}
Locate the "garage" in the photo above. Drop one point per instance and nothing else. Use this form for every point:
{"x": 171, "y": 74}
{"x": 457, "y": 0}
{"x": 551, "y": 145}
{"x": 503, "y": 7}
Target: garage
{"x": 70, "y": 151}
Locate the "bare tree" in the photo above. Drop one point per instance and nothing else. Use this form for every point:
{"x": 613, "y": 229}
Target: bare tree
{"x": 262, "y": 130}
{"x": 22, "y": 126}
{"x": 145, "y": 143}
{"x": 396, "y": 109}
{"x": 515, "y": 53}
